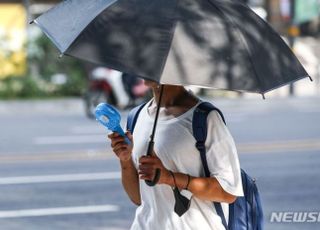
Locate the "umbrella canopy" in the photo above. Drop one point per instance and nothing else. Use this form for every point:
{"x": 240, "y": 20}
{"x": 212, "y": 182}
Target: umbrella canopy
{"x": 220, "y": 44}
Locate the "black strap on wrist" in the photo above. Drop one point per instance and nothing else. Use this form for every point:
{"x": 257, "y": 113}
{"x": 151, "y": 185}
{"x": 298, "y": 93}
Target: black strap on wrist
{"x": 182, "y": 203}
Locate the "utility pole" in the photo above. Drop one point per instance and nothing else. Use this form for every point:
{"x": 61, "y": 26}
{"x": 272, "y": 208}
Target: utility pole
{"x": 267, "y": 7}
{"x": 293, "y": 32}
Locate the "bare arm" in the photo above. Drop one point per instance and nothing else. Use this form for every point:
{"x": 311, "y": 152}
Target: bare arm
{"x": 130, "y": 181}
{"x": 129, "y": 174}
{"x": 201, "y": 187}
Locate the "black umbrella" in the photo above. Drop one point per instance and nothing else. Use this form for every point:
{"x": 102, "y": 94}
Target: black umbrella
{"x": 219, "y": 44}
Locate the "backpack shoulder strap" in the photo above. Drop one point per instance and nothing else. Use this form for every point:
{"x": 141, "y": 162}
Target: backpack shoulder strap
{"x": 199, "y": 126}
{"x": 133, "y": 117}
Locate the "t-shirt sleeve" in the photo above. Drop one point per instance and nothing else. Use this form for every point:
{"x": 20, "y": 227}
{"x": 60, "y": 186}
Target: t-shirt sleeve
{"x": 222, "y": 157}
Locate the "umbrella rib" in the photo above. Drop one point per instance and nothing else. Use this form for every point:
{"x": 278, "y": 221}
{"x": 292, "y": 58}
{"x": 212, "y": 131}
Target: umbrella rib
{"x": 279, "y": 86}
{"x": 172, "y": 31}
{"x": 243, "y": 41}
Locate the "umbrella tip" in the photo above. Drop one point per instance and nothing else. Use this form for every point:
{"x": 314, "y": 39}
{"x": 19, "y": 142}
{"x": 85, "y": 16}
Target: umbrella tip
{"x": 61, "y": 55}
{"x": 263, "y": 96}
{"x": 31, "y": 22}
{"x": 310, "y": 78}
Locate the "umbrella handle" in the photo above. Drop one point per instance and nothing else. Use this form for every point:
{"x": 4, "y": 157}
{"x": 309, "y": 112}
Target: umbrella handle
{"x": 151, "y": 142}
{"x": 157, "y": 172}
{"x": 155, "y": 179}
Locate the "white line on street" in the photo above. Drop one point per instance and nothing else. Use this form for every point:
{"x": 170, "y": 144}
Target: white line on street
{"x": 58, "y": 211}
{"x": 59, "y": 178}
{"x": 279, "y": 146}
{"x": 75, "y": 139}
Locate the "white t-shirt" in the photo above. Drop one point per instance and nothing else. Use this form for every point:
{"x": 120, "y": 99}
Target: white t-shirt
{"x": 175, "y": 146}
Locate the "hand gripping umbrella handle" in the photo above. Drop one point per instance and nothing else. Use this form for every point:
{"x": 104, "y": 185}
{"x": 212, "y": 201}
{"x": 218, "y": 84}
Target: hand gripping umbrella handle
{"x": 157, "y": 172}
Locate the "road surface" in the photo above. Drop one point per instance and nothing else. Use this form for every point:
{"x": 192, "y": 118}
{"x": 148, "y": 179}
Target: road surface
{"x": 57, "y": 170}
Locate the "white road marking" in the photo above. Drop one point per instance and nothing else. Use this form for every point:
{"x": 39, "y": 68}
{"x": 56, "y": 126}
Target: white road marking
{"x": 58, "y": 211}
{"x": 90, "y": 154}
{"x": 279, "y": 146}
{"x": 75, "y": 139}
{"x": 59, "y": 178}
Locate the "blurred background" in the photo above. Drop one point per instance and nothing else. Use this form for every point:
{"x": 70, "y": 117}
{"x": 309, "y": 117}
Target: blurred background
{"x": 57, "y": 170}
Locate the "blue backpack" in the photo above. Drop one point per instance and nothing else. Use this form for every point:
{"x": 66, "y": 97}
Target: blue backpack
{"x": 246, "y": 212}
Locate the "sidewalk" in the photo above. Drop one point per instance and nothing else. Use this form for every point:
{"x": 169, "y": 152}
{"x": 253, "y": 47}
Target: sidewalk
{"x": 68, "y": 106}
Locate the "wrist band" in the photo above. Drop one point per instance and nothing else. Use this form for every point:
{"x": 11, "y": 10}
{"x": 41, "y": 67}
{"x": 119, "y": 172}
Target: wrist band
{"x": 186, "y": 188}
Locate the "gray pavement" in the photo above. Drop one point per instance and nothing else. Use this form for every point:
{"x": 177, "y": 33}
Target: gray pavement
{"x": 52, "y": 156}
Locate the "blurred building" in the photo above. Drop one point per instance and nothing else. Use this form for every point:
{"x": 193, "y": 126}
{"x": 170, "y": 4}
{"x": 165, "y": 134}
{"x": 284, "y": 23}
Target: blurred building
{"x": 14, "y": 18}
{"x": 12, "y": 39}
{"x": 302, "y": 13}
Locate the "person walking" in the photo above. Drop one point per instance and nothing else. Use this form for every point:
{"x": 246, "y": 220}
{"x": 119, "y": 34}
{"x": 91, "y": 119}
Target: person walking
{"x": 180, "y": 165}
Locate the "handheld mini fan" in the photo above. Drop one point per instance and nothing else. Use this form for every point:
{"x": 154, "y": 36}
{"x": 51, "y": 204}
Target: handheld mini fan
{"x": 110, "y": 118}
